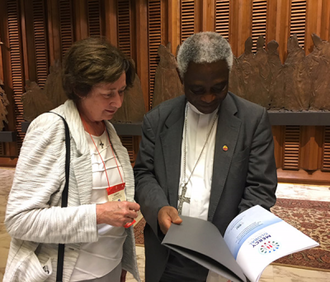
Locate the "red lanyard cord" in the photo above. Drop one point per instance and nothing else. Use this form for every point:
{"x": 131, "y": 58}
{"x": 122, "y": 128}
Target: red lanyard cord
{"x": 113, "y": 153}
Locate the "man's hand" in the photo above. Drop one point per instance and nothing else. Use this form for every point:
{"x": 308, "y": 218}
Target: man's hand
{"x": 117, "y": 213}
{"x": 166, "y": 216}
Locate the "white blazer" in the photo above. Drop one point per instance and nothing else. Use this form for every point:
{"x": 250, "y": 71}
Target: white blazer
{"x": 34, "y": 218}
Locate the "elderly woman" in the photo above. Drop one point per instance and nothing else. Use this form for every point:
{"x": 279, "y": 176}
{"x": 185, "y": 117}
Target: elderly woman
{"x": 98, "y": 247}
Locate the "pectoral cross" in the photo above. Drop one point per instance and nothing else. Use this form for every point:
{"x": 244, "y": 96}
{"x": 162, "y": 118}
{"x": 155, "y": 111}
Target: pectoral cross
{"x": 183, "y": 198}
{"x": 101, "y": 144}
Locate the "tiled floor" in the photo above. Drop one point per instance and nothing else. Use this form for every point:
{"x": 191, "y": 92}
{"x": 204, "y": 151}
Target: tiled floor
{"x": 274, "y": 273}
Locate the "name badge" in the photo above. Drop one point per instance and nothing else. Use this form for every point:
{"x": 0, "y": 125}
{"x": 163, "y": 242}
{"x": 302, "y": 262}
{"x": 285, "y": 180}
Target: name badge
{"x": 117, "y": 193}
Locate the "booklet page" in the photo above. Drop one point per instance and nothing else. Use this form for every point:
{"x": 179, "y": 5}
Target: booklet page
{"x": 257, "y": 237}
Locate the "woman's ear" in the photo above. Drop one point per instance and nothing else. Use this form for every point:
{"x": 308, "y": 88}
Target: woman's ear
{"x": 80, "y": 97}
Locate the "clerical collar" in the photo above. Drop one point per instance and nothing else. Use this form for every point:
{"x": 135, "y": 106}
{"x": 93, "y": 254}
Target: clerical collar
{"x": 195, "y": 110}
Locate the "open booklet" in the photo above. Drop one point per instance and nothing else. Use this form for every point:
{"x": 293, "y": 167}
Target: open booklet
{"x": 252, "y": 240}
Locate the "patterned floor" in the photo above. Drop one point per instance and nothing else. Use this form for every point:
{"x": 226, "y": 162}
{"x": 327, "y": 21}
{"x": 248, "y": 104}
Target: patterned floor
{"x": 276, "y": 273}
{"x": 272, "y": 273}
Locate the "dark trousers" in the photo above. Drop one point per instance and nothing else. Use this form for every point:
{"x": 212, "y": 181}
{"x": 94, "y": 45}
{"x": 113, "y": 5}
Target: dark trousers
{"x": 182, "y": 269}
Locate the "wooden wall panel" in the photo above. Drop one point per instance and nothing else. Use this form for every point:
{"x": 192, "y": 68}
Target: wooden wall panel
{"x": 208, "y": 15}
{"x": 326, "y": 150}
{"x": 154, "y": 40}
{"x": 291, "y": 148}
{"x": 188, "y": 19}
{"x": 311, "y": 139}
{"x": 35, "y": 33}
{"x": 278, "y": 136}
{"x": 124, "y": 27}
{"x": 2, "y": 145}
{"x": 7, "y": 149}
{"x": 80, "y": 13}
{"x": 222, "y": 17}
{"x": 54, "y": 37}
{"x": 66, "y": 27}
{"x": 282, "y": 26}
{"x": 298, "y": 20}
{"x": 110, "y": 20}
{"x": 313, "y": 22}
{"x": 95, "y": 17}
{"x": 241, "y": 28}
{"x": 325, "y": 20}
{"x": 259, "y": 19}
{"x": 1, "y": 60}
{"x": 14, "y": 84}
{"x": 142, "y": 60}
{"x": 174, "y": 25}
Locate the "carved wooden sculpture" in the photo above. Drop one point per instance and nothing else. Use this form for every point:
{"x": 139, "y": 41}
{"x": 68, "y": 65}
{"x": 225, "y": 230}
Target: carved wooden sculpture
{"x": 261, "y": 76}
{"x": 320, "y": 72}
{"x": 240, "y": 76}
{"x": 301, "y": 84}
{"x": 167, "y": 81}
{"x": 34, "y": 100}
{"x": 133, "y": 109}
{"x": 276, "y": 85}
{"x": 37, "y": 101}
{"x": 235, "y": 77}
{"x": 53, "y": 86}
{"x": 3, "y": 106}
{"x": 297, "y": 90}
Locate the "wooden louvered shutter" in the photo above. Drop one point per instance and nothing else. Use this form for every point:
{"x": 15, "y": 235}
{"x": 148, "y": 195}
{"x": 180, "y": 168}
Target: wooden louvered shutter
{"x": 124, "y": 39}
{"x": 128, "y": 143}
{"x": 259, "y": 16}
{"x": 326, "y": 150}
{"x": 94, "y": 16}
{"x": 40, "y": 41}
{"x": 187, "y": 18}
{"x": 16, "y": 62}
{"x": 222, "y": 18}
{"x": 2, "y": 145}
{"x": 124, "y": 27}
{"x": 66, "y": 25}
{"x": 291, "y": 148}
{"x": 298, "y": 20}
{"x": 154, "y": 40}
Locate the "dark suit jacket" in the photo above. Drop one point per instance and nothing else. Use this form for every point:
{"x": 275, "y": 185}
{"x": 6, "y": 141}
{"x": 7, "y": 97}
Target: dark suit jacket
{"x": 243, "y": 176}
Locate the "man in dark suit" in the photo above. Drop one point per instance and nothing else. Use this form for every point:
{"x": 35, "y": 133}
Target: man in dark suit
{"x": 207, "y": 154}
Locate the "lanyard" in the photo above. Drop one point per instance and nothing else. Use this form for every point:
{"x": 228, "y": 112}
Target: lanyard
{"x": 114, "y": 188}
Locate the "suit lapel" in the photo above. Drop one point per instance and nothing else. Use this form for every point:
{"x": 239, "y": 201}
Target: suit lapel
{"x": 227, "y": 135}
{"x": 171, "y": 139}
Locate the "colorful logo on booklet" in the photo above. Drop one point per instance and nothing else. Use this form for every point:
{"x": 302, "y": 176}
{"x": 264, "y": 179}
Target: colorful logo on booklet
{"x": 269, "y": 247}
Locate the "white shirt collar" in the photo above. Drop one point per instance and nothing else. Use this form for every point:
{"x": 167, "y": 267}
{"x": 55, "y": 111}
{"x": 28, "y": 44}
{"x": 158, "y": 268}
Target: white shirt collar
{"x": 195, "y": 110}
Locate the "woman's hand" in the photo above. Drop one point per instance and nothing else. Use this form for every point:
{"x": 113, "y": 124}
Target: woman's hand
{"x": 117, "y": 213}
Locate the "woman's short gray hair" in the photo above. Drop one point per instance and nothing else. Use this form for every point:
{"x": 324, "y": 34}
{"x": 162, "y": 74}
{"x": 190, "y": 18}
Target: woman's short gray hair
{"x": 204, "y": 47}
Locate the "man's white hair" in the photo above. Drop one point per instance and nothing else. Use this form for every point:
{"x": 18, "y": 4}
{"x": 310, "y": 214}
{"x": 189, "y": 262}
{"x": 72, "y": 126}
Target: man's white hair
{"x": 204, "y": 47}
